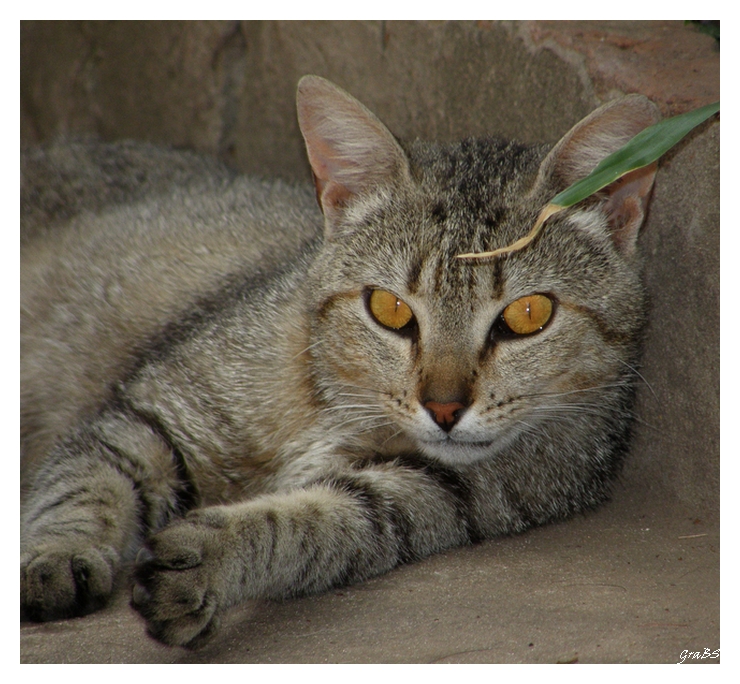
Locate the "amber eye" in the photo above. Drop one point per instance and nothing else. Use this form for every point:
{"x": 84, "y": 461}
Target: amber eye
{"x": 389, "y": 310}
{"x": 528, "y": 314}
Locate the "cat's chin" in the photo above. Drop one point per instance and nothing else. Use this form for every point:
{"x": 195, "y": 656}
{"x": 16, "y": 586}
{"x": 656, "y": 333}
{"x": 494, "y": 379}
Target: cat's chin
{"x": 453, "y": 452}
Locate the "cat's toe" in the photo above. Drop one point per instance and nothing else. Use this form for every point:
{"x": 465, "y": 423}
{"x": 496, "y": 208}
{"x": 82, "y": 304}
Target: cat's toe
{"x": 176, "y": 586}
{"x": 191, "y": 630}
{"x": 161, "y": 594}
{"x": 178, "y": 606}
{"x": 60, "y": 584}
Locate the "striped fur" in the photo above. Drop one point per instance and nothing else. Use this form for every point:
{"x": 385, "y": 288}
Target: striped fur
{"x": 204, "y": 384}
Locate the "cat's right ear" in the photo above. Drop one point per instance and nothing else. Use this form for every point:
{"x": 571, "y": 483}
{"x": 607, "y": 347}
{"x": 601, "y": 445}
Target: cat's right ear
{"x": 605, "y": 131}
{"x": 349, "y": 149}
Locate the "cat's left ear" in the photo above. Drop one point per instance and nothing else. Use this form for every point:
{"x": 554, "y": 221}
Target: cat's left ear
{"x": 601, "y": 133}
{"x": 349, "y": 149}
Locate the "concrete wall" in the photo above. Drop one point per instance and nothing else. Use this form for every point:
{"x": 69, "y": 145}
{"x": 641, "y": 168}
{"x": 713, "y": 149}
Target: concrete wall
{"x": 227, "y": 88}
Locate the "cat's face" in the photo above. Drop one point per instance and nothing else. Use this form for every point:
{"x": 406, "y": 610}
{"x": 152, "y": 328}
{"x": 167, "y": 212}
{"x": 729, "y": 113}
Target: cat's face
{"x": 413, "y": 347}
{"x": 458, "y": 358}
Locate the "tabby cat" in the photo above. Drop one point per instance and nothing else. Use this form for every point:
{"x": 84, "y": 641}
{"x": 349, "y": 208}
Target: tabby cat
{"x": 253, "y": 400}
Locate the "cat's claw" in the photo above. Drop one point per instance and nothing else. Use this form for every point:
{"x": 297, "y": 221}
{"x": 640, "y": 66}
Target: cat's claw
{"x": 144, "y": 556}
{"x": 140, "y": 596}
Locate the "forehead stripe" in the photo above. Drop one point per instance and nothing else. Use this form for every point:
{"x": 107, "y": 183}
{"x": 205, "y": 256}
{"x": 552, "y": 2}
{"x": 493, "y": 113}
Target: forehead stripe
{"x": 414, "y": 275}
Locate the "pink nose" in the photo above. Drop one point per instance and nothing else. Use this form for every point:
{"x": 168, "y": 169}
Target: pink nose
{"x": 445, "y": 415}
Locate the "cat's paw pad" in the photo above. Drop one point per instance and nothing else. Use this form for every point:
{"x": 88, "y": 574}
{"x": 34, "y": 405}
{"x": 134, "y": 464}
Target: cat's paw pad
{"x": 177, "y": 584}
{"x": 58, "y": 584}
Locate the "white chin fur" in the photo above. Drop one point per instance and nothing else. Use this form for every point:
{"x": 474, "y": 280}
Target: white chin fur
{"x": 457, "y": 453}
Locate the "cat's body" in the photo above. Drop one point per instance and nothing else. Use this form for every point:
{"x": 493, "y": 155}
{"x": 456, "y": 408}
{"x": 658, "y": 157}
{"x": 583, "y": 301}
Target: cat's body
{"x": 197, "y": 340}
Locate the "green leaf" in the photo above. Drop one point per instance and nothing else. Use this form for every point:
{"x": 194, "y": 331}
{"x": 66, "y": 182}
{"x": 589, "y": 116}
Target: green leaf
{"x": 646, "y": 147}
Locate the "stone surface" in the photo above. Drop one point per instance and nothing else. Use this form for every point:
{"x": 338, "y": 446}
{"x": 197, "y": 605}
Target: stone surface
{"x": 676, "y": 451}
{"x": 675, "y": 65}
{"x": 629, "y": 583}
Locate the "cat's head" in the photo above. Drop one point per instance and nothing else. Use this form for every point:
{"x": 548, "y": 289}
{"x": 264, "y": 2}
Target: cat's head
{"x": 457, "y": 358}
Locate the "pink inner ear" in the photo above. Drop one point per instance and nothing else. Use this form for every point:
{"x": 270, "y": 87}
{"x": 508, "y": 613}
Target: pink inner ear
{"x": 626, "y": 206}
{"x": 327, "y": 165}
{"x": 331, "y": 195}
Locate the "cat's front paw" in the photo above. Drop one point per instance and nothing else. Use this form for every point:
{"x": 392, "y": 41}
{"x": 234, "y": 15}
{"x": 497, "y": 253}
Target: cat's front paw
{"x": 63, "y": 583}
{"x": 179, "y": 581}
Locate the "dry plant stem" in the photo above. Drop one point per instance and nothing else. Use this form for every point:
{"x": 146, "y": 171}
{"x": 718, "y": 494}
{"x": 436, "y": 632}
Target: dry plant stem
{"x": 521, "y": 243}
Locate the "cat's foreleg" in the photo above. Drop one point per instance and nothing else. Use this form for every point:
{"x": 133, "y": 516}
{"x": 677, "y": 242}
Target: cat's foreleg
{"x": 90, "y": 501}
{"x": 343, "y": 529}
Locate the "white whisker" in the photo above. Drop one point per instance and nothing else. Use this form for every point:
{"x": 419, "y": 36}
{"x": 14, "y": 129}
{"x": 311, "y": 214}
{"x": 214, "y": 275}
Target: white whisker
{"x": 365, "y": 407}
{"x": 355, "y": 419}
{"x": 377, "y": 426}
{"x": 346, "y": 395}
{"x": 308, "y": 348}
{"x": 581, "y": 390}
{"x": 393, "y": 436}
{"x": 639, "y": 375}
